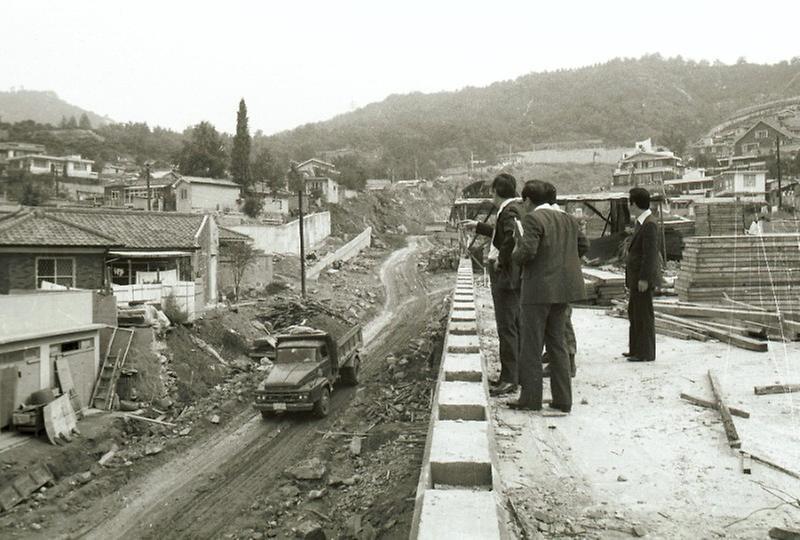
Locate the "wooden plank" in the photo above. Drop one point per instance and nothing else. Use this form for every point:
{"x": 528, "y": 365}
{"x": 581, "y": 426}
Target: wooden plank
{"x": 724, "y": 336}
{"x": 59, "y": 419}
{"x": 67, "y": 385}
{"x": 770, "y": 463}
{"x": 713, "y": 405}
{"x": 8, "y": 394}
{"x": 776, "y": 389}
{"x": 724, "y": 412}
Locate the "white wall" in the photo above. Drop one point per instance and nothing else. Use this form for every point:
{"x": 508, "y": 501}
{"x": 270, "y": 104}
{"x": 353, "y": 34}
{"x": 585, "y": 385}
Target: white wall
{"x": 344, "y": 253}
{"x": 286, "y": 238}
{"x": 206, "y": 197}
{"x": 22, "y": 314}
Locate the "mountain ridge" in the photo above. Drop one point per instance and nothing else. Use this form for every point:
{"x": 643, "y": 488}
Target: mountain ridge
{"x": 43, "y": 107}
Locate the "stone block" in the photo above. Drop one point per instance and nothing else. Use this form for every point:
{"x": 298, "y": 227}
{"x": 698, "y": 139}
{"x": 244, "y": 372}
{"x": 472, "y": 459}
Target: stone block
{"x": 459, "y": 513}
{"x": 463, "y": 367}
{"x": 460, "y": 400}
{"x": 460, "y": 454}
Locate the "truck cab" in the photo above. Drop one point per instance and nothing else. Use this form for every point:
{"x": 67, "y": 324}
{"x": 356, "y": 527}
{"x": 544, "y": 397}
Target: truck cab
{"x": 308, "y": 363}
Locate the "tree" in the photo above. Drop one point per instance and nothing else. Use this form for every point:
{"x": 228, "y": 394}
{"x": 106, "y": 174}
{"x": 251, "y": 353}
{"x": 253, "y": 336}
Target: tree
{"x": 240, "y": 154}
{"x": 252, "y": 206}
{"x": 294, "y": 178}
{"x": 72, "y": 123}
{"x": 265, "y": 168}
{"x": 31, "y": 195}
{"x": 241, "y": 256}
{"x": 203, "y": 152}
{"x": 84, "y": 122}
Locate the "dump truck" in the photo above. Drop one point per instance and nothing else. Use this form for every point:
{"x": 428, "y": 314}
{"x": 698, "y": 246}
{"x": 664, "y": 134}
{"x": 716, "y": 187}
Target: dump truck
{"x": 308, "y": 364}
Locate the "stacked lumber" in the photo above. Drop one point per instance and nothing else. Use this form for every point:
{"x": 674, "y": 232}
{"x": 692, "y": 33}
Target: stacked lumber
{"x": 762, "y": 271}
{"x": 719, "y": 216}
{"x": 604, "y": 286}
{"x": 747, "y": 328}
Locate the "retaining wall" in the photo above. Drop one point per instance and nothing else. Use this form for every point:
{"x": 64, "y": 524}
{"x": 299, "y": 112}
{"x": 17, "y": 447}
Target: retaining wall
{"x": 456, "y": 495}
{"x": 286, "y": 238}
{"x": 344, "y": 253}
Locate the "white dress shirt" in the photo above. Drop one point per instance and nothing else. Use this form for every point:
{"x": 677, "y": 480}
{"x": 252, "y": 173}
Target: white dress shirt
{"x": 494, "y": 253}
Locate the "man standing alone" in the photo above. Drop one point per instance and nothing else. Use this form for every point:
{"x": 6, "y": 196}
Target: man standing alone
{"x": 641, "y": 277}
{"x": 549, "y": 253}
{"x": 504, "y": 276}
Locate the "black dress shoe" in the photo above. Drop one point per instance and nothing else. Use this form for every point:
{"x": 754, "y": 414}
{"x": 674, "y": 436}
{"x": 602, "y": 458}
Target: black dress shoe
{"x": 495, "y": 382}
{"x": 522, "y": 406}
{"x": 637, "y": 359}
{"x": 558, "y": 407}
{"x": 502, "y": 388}
{"x": 627, "y": 354}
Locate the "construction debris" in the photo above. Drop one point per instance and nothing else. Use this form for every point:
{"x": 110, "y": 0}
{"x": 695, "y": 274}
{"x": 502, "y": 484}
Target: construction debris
{"x": 603, "y": 286}
{"x": 776, "y": 389}
{"x": 724, "y": 411}
{"x": 713, "y": 405}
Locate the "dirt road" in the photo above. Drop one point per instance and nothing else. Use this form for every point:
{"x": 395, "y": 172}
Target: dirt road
{"x": 198, "y": 494}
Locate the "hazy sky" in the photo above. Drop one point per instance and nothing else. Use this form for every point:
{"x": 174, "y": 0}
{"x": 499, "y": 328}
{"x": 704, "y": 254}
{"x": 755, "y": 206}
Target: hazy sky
{"x": 175, "y": 63}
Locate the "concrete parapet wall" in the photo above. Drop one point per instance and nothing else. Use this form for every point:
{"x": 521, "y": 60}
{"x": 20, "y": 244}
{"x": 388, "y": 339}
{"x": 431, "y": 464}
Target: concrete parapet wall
{"x": 344, "y": 253}
{"x": 456, "y": 496}
{"x": 286, "y": 238}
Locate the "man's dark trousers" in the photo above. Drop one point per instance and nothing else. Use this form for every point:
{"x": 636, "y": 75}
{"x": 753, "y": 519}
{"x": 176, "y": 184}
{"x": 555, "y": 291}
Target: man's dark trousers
{"x": 642, "y": 332}
{"x": 506, "y": 314}
{"x": 543, "y": 325}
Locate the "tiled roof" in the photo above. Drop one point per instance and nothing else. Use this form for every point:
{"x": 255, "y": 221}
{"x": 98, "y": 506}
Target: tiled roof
{"x": 38, "y": 228}
{"x": 231, "y": 235}
{"x": 137, "y": 229}
{"x": 214, "y": 181}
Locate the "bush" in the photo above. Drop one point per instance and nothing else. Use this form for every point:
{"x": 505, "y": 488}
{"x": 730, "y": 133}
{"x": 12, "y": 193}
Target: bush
{"x": 173, "y": 311}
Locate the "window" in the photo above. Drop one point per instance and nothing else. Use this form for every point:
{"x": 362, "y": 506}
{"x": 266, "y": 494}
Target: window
{"x": 115, "y": 195}
{"x": 60, "y": 270}
{"x": 749, "y": 180}
{"x": 184, "y": 193}
{"x": 762, "y": 134}
{"x": 71, "y": 346}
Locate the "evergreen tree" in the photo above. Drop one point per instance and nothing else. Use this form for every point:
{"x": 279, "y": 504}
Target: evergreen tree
{"x": 240, "y": 154}
{"x": 72, "y": 123}
{"x": 84, "y": 122}
{"x": 203, "y": 152}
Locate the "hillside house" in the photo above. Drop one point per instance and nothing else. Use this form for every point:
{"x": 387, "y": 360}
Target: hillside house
{"x": 10, "y": 150}
{"x": 193, "y": 194}
{"x": 173, "y": 192}
{"x": 693, "y": 181}
{"x": 65, "y": 166}
{"x": 378, "y": 184}
{"x": 320, "y": 178}
{"x": 647, "y": 166}
{"x": 740, "y": 182}
{"x": 760, "y": 139}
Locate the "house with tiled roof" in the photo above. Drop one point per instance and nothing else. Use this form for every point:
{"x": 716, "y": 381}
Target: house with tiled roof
{"x": 759, "y": 139}
{"x": 38, "y": 249}
{"x": 128, "y": 247}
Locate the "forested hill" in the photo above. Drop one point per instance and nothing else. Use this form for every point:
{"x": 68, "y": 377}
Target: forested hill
{"x": 44, "y": 107}
{"x": 619, "y": 101}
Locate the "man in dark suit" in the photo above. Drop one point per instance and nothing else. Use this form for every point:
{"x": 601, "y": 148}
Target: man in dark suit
{"x": 549, "y": 252}
{"x": 504, "y": 276}
{"x": 641, "y": 276}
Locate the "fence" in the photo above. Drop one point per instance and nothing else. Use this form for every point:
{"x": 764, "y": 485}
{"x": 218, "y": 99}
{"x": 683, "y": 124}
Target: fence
{"x": 344, "y": 253}
{"x": 188, "y": 295}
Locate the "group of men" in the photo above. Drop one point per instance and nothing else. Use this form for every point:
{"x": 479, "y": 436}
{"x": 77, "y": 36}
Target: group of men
{"x": 534, "y": 265}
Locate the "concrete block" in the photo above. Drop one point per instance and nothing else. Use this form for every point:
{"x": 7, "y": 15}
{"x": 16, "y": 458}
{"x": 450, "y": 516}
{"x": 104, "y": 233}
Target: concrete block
{"x": 460, "y": 454}
{"x": 461, "y": 305}
{"x": 459, "y": 400}
{"x": 463, "y": 367}
{"x": 460, "y": 316}
{"x": 463, "y": 343}
{"x": 462, "y": 328}
{"x": 458, "y": 513}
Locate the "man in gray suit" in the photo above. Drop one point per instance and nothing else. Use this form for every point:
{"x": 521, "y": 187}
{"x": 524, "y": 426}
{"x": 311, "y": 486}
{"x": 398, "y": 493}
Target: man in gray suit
{"x": 549, "y": 252}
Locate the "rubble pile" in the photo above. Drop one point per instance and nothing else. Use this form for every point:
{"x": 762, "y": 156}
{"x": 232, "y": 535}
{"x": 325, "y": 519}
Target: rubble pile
{"x": 443, "y": 259}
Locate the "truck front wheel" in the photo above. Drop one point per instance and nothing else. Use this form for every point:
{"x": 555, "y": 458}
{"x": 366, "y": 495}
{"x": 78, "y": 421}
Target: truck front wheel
{"x": 350, "y": 373}
{"x": 323, "y": 405}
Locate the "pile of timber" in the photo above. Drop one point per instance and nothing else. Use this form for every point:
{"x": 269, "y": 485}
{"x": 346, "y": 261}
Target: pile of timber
{"x": 744, "y": 327}
{"x": 604, "y": 286}
{"x": 762, "y": 270}
{"x": 720, "y": 216}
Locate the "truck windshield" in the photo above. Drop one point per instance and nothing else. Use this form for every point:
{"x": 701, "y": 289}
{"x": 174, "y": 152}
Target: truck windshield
{"x": 293, "y": 355}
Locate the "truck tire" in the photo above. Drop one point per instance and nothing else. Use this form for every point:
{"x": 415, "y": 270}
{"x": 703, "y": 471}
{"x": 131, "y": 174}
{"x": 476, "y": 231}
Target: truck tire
{"x": 323, "y": 405}
{"x": 349, "y": 374}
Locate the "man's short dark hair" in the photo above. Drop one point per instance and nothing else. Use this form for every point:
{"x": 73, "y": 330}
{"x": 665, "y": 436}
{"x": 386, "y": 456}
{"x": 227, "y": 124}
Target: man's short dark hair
{"x": 552, "y": 193}
{"x": 505, "y": 185}
{"x": 640, "y": 197}
{"x": 535, "y": 191}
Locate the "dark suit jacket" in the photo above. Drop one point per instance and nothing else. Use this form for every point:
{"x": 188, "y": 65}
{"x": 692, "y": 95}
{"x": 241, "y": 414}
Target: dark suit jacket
{"x": 507, "y": 274}
{"x": 550, "y": 253}
{"x": 643, "y": 260}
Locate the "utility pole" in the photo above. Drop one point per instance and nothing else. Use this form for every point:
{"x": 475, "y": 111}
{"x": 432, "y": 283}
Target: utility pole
{"x": 778, "y": 158}
{"x": 147, "y": 178}
{"x": 416, "y": 173}
{"x": 302, "y": 244}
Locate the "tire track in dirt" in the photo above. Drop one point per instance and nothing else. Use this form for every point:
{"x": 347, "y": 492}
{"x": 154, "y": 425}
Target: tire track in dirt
{"x": 198, "y": 496}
